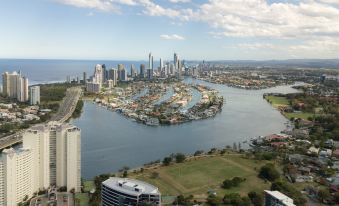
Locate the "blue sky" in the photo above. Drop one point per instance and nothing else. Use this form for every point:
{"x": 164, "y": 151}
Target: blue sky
{"x": 196, "y": 29}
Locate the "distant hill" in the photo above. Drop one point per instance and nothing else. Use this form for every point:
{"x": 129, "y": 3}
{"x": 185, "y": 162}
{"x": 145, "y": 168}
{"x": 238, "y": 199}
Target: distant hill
{"x": 305, "y": 63}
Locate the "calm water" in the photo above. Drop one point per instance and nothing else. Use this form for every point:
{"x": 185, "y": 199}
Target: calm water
{"x": 43, "y": 71}
{"x": 111, "y": 141}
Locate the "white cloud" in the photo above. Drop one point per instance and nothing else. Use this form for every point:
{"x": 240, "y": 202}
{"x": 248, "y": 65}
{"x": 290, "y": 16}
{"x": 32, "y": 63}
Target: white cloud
{"x": 299, "y": 24}
{"x": 171, "y": 37}
{"x": 180, "y": 1}
{"x": 257, "y": 18}
{"x": 102, "y": 5}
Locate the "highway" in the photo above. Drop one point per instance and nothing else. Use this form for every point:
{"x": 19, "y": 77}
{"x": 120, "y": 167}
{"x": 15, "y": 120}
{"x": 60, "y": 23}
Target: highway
{"x": 67, "y": 105}
{"x": 66, "y": 109}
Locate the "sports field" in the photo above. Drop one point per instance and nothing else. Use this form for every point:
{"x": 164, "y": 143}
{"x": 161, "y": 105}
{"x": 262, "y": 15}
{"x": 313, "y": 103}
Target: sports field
{"x": 197, "y": 177}
{"x": 277, "y": 101}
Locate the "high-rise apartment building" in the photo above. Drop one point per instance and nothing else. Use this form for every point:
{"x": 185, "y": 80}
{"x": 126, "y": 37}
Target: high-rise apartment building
{"x": 56, "y": 149}
{"x": 150, "y": 66}
{"x": 113, "y": 75}
{"x": 84, "y": 78}
{"x": 16, "y": 176}
{"x": 175, "y": 62}
{"x": 142, "y": 71}
{"x": 34, "y": 95}
{"x": 50, "y": 155}
{"x": 98, "y": 76}
{"x": 15, "y": 86}
{"x": 133, "y": 71}
{"x": 122, "y": 73}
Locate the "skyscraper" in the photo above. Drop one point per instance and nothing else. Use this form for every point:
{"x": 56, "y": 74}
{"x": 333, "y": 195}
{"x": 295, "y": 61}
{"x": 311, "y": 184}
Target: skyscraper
{"x": 34, "y": 95}
{"x": 122, "y": 74}
{"x": 142, "y": 71}
{"x": 16, "y": 176}
{"x": 150, "y": 66}
{"x": 50, "y": 155}
{"x": 175, "y": 62}
{"x": 161, "y": 64}
{"x": 56, "y": 154}
{"x": 133, "y": 71}
{"x": 113, "y": 75}
{"x": 15, "y": 86}
{"x": 98, "y": 76}
{"x": 84, "y": 79}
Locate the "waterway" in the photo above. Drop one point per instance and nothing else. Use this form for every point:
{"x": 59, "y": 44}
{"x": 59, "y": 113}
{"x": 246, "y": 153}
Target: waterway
{"x": 111, "y": 141}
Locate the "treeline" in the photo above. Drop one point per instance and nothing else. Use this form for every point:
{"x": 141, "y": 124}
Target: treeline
{"x": 78, "y": 109}
{"x": 53, "y": 92}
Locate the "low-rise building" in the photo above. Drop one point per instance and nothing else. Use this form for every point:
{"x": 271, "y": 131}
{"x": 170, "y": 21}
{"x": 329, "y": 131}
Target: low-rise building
{"x": 276, "y": 198}
{"x": 121, "y": 191}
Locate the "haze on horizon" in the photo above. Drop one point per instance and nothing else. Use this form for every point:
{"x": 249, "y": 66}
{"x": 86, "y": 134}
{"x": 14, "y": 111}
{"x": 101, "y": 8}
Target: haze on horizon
{"x": 195, "y": 29}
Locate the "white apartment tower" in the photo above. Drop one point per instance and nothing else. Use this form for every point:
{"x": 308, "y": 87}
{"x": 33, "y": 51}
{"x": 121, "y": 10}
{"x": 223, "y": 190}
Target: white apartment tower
{"x": 57, "y": 147}
{"x": 98, "y": 74}
{"x": 15, "y": 86}
{"x": 16, "y": 176}
{"x": 34, "y": 95}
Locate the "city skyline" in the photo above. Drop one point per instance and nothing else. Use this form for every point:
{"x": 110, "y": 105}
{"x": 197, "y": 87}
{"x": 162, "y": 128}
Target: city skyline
{"x": 210, "y": 30}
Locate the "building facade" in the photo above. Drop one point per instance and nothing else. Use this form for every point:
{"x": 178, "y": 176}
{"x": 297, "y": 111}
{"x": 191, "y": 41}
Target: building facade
{"x": 121, "y": 191}
{"x": 276, "y": 198}
{"x": 93, "y": 87}
{"x": 113, "y": 75}
{"x": 34, "y": 95}
{"x": 15, "y": 86}
{"x": 16, "y": 176}
{"x": 57, "y": 150}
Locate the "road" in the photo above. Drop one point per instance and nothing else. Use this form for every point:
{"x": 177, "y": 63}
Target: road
{"x": 68, "y": 105}
{"x": 66, "y": 109}
{"x": 59, "y": 202}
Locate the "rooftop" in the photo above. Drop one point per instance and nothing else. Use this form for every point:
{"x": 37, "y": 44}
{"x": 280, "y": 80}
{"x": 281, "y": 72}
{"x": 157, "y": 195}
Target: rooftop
{"x": 280, "y": 196}
{"x": 130, "y": 186}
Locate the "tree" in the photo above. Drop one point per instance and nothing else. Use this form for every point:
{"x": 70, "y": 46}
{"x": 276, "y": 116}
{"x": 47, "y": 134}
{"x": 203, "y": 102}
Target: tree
{"x": 167, "y": 161}
{"x": 323, "y": 194}
{"x": 236, "y": 200}
{"x": 257, "y": 199}
{"x": 234, "y": 182}
{"x": 198, "y": 152}
{"x": 179, "y": 157}
{"x": 214, "y": 200}
{"x": 182, "y": 200}
{"x": 289, "y": 190}
{"x": 336, "y": 197}
{"x": 269, "y": 172}
{"x": 125, "y": 174}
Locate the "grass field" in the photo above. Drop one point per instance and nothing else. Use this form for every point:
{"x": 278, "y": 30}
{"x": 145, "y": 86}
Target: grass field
{"x": 81, "y": 199}
{"x": 197, "y": 177}
{"x": 283, "y": 101}
{"x": 88, "y": 185}
{"x": 301, "y": 115}
{"x": 277, "y": 101}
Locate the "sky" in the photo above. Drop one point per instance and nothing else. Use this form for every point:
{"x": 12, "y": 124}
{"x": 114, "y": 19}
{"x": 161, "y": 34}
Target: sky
{"x": 195, "y": 29}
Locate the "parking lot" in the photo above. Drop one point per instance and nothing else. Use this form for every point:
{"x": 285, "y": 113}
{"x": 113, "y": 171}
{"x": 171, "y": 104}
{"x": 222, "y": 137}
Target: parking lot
{"x": 62, "y": 199}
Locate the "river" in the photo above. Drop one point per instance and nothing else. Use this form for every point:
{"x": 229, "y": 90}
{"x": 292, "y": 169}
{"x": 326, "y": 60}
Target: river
{"x": 110, "y": 141}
